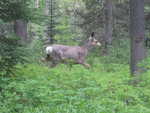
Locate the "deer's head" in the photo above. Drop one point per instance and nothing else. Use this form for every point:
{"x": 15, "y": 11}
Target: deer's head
{"x": 93, "y": 41}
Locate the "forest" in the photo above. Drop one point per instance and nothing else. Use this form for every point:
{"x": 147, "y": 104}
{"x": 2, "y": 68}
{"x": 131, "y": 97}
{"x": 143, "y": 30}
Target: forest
{"x": 74, "y": 56}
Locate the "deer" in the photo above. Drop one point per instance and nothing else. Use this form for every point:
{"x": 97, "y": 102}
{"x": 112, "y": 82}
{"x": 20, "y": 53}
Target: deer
{"x": 61, "y": 53}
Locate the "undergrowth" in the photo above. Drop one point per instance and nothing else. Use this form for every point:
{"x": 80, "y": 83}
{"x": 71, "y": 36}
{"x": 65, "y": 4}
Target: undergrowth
{"x": 101, "y": 89}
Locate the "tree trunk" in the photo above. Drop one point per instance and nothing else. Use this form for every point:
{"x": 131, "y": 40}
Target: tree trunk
{"x": 47, "y": 7}
{"x": 137, "y": 31}
{"x": 108, "y": 24}
{"x": 20, "y": 28}
{"x": 37, "y": 3}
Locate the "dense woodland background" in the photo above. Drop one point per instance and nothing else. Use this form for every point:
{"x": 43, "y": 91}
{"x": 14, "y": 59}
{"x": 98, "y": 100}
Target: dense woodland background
{"x": 119, "y": 78}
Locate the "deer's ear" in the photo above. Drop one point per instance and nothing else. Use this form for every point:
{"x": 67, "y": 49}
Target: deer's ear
{"x": 92, "y": 34}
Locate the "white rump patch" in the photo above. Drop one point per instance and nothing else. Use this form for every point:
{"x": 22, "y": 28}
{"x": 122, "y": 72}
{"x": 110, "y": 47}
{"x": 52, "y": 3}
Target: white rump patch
{"x": 49, "y": 50}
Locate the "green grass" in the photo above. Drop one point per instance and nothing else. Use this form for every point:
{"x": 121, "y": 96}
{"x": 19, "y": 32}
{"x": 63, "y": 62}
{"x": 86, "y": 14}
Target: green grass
{"x": 101, "y": 89}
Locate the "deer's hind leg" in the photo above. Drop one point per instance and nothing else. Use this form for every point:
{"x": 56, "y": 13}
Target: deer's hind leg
{"x": 55, "y": 59}
{"x": 46, "y": 59}
{"x": 53, "y": 64}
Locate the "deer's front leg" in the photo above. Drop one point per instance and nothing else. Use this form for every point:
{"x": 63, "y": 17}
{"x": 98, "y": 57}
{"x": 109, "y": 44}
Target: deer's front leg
{"x": 82, "y": 62}
{"x": 86, "y": 65}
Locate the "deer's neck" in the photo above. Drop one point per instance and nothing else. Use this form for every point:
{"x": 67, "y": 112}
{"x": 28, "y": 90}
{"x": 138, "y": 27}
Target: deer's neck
{"x": 87, "y": 46}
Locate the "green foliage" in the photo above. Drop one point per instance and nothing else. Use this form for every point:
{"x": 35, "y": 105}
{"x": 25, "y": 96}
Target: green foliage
{"x": 90, "y": 16}
{"x": 38, "y": 89}
{"x": 11, "y": 53}
{"x": 35, "y": 50}
{"x": 14, "y": 9}
{"x": 105, "y": 88}
{"x": 145, "y": 63}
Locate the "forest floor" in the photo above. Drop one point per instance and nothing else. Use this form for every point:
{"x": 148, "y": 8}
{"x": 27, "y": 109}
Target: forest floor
{"x": 101, "y": 89}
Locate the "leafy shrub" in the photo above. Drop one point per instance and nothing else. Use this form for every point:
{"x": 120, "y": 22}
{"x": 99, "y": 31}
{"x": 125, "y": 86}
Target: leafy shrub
{"x": 38, "y": 89}
{"x": 11, "y": 53}
{"x": 36, "y": 50}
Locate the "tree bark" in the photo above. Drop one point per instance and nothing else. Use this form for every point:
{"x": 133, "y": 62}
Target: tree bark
{"x": 20, "y": 29}
{"x": 137, "y": 32}
{"x": 47, "y": 7}
{"x": 108, "y": 24}
{"x": 37, "y": 3}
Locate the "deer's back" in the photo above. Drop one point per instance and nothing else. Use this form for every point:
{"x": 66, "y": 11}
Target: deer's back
{"x": 69, "y": 52}
{"x": 75, "y": 52}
